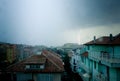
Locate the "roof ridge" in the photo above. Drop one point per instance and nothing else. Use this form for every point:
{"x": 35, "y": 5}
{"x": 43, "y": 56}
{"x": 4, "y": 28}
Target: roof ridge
{"x": 55, "y": 55}
{"x": 52, "y": 61}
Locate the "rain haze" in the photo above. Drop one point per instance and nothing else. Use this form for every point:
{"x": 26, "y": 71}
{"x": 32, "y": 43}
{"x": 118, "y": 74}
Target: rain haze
{"x": 55, "y": 22}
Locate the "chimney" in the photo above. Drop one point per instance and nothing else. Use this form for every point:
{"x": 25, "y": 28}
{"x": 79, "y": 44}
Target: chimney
{"x": 111, "y": 37}
{"x": 94, "y": 39}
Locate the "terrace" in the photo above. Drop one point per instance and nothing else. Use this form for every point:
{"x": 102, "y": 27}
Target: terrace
{"x": 106, "y": 58}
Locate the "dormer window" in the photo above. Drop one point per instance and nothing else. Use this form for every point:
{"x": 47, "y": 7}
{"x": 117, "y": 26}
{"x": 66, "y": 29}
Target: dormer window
{"x": 35, "y": 66}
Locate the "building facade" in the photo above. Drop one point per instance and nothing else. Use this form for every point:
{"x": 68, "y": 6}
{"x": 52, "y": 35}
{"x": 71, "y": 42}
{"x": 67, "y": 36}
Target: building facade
{"x": 100, "y": 60}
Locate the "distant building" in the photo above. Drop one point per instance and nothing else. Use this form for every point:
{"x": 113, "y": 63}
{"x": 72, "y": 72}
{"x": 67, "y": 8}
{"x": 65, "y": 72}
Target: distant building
{"x": 70, "y": 46}
{"x": 45, "y": 66}
{"x": 20, "y": 52}
{"x": 80, "y": 63}
{"x": 23, "y": 51}
{"x": 7, "y": 53}
{"x": 73, "y": 60}
{"x": 11, "y": 53}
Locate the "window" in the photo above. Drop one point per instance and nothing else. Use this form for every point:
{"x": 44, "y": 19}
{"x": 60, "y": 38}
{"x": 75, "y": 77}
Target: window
{"x": 88, "y": 47}
{"x": 32, "y": 66}
{"x": 94, "y": 64}
{"x": 27, "y": 66}
{"x": 41, "y": 66}
{"x": 37, "y": 66}
{"x": 74, "y": 62}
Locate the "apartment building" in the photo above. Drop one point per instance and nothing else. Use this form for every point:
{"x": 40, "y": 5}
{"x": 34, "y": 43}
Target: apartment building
{"x": 100, "y": 59}
{"x": 105, "y": 55}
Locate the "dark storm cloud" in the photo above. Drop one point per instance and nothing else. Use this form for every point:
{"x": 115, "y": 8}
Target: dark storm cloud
{"x": 94, "y": 12}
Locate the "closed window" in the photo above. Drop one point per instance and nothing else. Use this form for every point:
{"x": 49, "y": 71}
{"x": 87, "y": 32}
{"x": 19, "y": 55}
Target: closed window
{"x": 41, "y": 66}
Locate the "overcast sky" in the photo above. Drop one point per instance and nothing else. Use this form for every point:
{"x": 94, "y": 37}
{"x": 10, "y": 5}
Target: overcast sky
{"x": 55, "y": 22}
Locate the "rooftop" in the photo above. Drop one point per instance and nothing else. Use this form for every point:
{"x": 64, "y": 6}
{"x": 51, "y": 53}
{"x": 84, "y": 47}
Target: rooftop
{"x": 106, "y": 40}
{"x": 52, "y": 63}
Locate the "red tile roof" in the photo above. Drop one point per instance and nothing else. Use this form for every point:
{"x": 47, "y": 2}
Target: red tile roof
{"x": 52, "y": 63}
{"x": 36, "y": 59}
{"x": 105, "y": 40}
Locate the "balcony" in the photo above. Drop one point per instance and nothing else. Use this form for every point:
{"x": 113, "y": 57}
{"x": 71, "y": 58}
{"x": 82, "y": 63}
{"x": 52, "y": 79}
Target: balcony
{"x": 99, "y": 76}
{"x": 94, "y": 56}
{"x": 84, "y": 75}
{"x": 83, "y": 66}
{"x": 106, "y": 58}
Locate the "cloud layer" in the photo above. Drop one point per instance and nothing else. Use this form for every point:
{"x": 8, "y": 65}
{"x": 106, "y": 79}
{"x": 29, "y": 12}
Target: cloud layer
{"x": 55, "y": 22}
{"x": 94, "y": 12}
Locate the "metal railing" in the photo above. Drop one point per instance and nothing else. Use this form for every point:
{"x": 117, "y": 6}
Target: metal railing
{"x": 105, "y": 57}
{"x": 83, "y": 66}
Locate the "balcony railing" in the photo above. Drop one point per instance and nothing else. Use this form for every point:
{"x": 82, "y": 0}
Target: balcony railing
{"x": 105, "y": 57}
{"x": 99, "y": 76}
{"x": 83, "y": 66}
{"x": 94, "y": 54}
